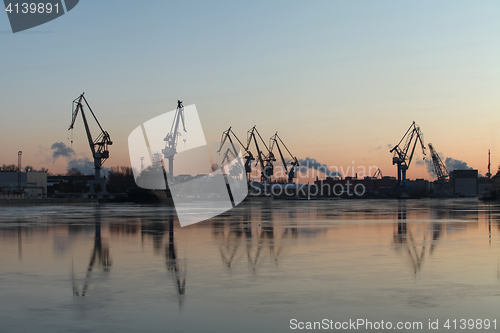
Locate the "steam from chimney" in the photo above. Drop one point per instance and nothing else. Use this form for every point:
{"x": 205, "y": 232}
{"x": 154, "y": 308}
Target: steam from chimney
{"x": 61, "y": 150}
{"x": 453, "y": 164}
{"x": 85, "y": 166}
{"x": 311, "y": 163}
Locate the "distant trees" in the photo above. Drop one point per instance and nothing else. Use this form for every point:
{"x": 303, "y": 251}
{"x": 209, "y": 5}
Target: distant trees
{"x": 13, "y": 168}
{"x": 43, "y": 170}
{"x": 8, "y": 168}
{"x": 74, "y": 172}
{"x": 120, "y": 178}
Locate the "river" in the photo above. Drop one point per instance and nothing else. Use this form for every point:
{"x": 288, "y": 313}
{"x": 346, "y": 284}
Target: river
{"x": 264, "y": 266}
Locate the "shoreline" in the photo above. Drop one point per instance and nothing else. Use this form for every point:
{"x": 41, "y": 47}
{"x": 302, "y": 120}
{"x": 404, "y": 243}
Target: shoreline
{"x": 46, "y": 201}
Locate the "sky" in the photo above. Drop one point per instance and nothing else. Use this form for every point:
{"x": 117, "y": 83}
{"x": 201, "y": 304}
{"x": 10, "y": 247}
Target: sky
{"x": 341, "y": 81}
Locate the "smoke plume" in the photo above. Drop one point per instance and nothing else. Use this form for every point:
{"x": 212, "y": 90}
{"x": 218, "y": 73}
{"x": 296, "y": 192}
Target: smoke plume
{"x": 59, "y": 149}
{"x": 453, "y": 164}
{"x": 311, "y": 163}
{"x": 85, "y": 166}
{"x": 450, "y": 164}
{"x": 430, "y": 167}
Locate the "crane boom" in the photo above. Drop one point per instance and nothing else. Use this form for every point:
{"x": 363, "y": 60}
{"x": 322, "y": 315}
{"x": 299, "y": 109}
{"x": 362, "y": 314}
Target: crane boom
{"x": 403, "y": 154}
{"x": 439, "y": 167}
{"x": 275, "y": 141}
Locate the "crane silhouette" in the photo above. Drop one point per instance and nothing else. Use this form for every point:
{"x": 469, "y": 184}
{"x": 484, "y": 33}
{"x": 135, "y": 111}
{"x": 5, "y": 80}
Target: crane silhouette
{"x": 403, "y": 153}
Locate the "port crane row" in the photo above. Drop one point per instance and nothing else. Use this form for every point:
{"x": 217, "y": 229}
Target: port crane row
{"x": 264, "y": 157}
{"x": 403, "y": 154}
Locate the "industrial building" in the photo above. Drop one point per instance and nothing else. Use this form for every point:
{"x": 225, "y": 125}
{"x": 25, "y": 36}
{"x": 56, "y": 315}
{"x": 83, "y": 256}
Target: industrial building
{"x": 464, "y": 182}
{"x": 68, "y": 186}
{"x": 31, "y": 184}
{"x": 352, "y": 186}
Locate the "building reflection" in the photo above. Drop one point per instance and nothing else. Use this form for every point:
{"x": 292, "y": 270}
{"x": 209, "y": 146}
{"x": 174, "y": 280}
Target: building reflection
{"x": 100, "y": 257}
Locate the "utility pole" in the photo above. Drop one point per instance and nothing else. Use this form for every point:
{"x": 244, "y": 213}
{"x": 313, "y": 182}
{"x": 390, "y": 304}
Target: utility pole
{"x": 19, "y": 154}
{"x": 489, "y": 165}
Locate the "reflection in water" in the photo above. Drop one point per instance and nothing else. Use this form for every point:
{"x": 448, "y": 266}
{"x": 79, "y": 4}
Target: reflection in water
{"x": 278, "y": 258}
{"x": 19, "y": 242}
{"x": 238, "y": 236}
{"x": 174, "y": 264}
{"x": 100, "y": 253}
{"x": 404, "y": 240}
{"x": 437, "y": 229}
{"x": 229, "y": 244}
{"x": 155, "y": 227}
{"x": 489, "y": 225}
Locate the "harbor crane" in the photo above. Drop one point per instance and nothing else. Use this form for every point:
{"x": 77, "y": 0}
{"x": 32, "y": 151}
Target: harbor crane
{"x": 98, "y": 146}
{"x": 442, "y": 184}
{"x": 403, "y": 152}
{"x": 291, "y": 173}
{"x": 441, "y": 172}
{"x": 378, "y": 173}
{"x": 226, "y": 135}
{"x": 171, "y": 138}
{"x": 265, "y": 161}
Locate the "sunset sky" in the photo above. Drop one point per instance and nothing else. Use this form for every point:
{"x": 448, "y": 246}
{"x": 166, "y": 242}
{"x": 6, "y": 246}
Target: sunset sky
{"x": 341, "y": 81}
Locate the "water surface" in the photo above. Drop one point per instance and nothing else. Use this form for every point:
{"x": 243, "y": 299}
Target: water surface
{"x": 132, "y": 268}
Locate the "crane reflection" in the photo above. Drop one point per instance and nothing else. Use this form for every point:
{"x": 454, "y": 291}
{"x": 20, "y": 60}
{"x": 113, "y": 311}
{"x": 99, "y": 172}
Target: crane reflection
{"x": 405, "y": 242}
{"x": 175, "y": 265}
{"x": 100, "y": 256}
{"x": 240, "y": 234}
